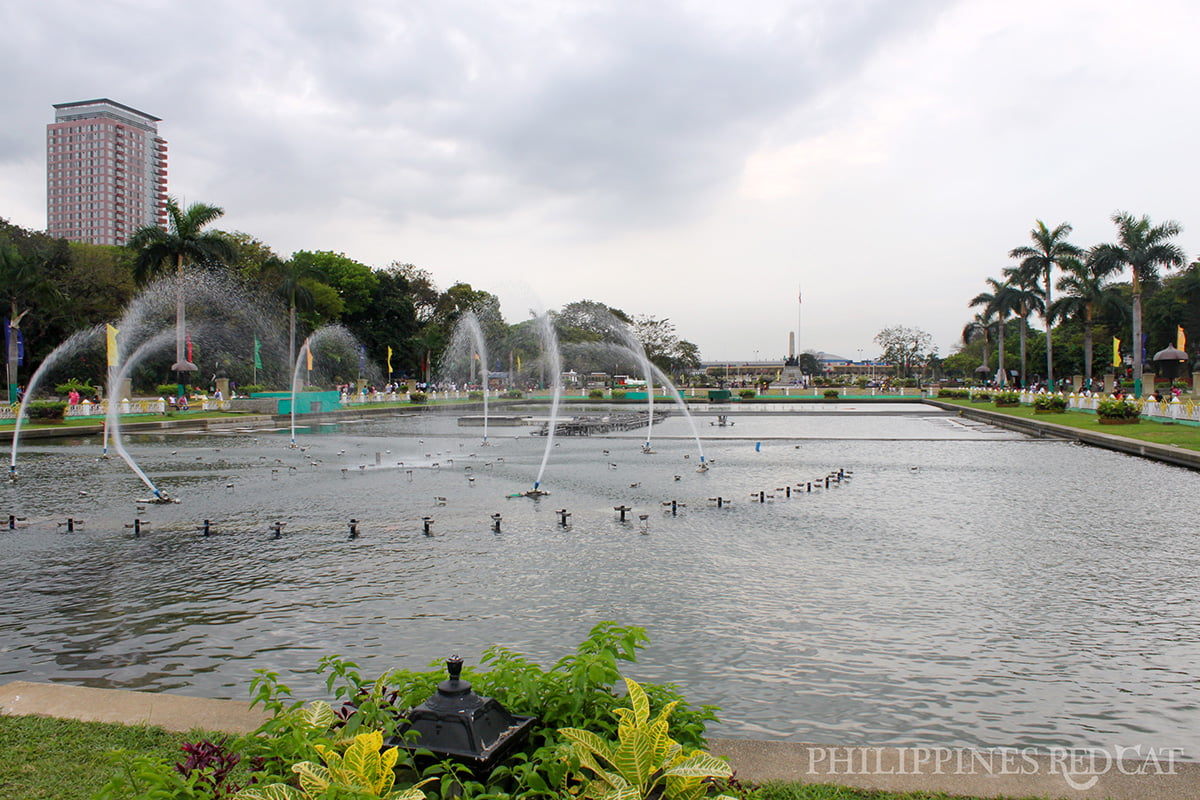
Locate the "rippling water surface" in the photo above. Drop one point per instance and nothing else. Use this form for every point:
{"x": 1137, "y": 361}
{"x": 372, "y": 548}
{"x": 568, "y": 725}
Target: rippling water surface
{"x": 967, "y": 587}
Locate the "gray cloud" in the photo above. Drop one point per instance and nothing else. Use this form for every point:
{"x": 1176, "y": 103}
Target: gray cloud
{"x": 630, "y": 112}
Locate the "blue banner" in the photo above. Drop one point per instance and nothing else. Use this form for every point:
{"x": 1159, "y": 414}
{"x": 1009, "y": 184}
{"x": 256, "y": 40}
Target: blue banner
{"x": 20, "y": 343}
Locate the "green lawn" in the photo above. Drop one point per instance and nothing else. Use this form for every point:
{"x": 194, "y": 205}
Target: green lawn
{"x": 42, "y": 757}
{"x": 1186, "y": 436}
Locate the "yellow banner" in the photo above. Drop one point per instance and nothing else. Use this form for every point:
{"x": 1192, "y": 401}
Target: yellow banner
{"x": 111, "y": 335}
{"x": 389, "y": 360}
{"x": 308, "y": 352}
{"x": 1180, "y": 339}
{"x": 1116, "y": 362}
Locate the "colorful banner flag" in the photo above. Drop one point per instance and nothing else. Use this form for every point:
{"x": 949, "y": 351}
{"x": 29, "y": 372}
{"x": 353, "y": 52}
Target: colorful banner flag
{"x": 518, "y": 363}
{"x": 8, "y": 331}
{"x": 257, "y": 353}
{"x": 189, "y": 349}
{"x": 114, "y": 355}
{"x": 1116, "y": 359}
{"x": 389, "y": 360}
{"x": 308, "y": 352}
{"x": 1180, "y": 338}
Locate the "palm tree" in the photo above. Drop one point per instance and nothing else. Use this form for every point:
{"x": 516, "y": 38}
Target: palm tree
{"x": 998, "y": 304}
{"x": 183, "y": 241}
{"x": 293, "y": 278}
{"x": 980, "y": 327}
{"x": 1143, "y": 248}
{"x": 1084, "y": 293}
{"x": 1050, "y": 247}
{"x": 1029, "y": 298}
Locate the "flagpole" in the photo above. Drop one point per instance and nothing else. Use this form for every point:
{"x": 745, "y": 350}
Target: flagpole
{"x": 799, "y": 350}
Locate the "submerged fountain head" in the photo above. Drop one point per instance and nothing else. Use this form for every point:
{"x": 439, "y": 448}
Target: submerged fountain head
{"x": 160, "y": 498}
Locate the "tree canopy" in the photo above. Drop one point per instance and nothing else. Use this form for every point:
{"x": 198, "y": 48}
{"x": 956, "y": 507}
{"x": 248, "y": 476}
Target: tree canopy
{"x": 909, "y": 349}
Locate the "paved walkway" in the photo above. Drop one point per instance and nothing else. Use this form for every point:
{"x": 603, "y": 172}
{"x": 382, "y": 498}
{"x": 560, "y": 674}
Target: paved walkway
{"x": 1071, "y": 775}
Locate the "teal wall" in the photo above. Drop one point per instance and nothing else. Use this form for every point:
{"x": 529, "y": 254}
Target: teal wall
{"x": 306, "y": 402}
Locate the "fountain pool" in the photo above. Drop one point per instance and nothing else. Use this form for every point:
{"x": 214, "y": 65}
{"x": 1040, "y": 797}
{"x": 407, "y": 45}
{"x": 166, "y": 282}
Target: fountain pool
{"x": 968, "y": 586}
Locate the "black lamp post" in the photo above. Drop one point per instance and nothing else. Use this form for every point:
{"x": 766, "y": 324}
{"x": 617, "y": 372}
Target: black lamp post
{"x": 459, "y": 723}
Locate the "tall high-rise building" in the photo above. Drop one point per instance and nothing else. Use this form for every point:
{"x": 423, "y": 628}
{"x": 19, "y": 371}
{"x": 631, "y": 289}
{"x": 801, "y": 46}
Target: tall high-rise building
{"x": 106, "y": 172}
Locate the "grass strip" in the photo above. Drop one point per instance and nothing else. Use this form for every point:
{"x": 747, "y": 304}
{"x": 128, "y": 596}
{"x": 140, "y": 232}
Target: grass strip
{"x": 46, "y": 757}
{"x": 1186, "y": 437}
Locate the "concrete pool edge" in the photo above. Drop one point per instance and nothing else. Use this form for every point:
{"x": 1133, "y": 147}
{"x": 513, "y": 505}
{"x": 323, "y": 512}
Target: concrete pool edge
{"x": 998, "y": 772}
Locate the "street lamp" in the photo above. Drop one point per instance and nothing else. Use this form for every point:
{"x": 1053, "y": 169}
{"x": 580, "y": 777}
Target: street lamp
{"x": 457, "y": 722}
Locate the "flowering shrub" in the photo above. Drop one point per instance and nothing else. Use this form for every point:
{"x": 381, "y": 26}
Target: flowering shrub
{"x": 1050, "y": 402}
{"x": 1118, "y": 409}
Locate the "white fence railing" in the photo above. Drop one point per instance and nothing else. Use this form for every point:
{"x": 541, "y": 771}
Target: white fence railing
{"x": 1172, "y": 409}
{"x": 88, "y": 409}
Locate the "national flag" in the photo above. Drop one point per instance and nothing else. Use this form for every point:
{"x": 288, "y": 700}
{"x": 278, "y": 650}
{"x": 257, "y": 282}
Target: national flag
{"x": 1116, "y": 359}
{"x": 257, "y": 353}
{"x": 1180, "y": 338}
{"x": 114, "y": 355}
{"x": 389, "y": 360}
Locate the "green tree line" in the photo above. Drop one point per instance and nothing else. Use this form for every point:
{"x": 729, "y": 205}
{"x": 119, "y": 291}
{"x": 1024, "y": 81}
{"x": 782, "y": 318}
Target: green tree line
{"x": 53, "y": 288}
{"x": 1085, "y": 298}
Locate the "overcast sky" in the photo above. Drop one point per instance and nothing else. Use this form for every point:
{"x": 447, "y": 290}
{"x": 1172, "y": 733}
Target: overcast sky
{"x": 699, "y": 161}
